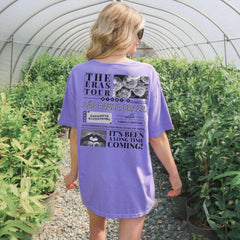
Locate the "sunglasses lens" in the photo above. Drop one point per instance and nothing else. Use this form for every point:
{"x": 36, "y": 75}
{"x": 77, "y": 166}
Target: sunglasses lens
{"x": 140, "y": 34}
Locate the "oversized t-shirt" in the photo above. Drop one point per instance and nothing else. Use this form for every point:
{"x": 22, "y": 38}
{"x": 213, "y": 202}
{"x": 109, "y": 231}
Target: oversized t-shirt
{"x": 115, "y": 108}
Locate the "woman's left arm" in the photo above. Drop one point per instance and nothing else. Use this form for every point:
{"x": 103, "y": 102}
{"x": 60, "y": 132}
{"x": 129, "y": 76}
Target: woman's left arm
{"x": 163, "y": 151}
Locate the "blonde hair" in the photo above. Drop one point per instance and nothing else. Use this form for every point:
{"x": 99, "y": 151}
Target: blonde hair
{"x": 114, "y": 31}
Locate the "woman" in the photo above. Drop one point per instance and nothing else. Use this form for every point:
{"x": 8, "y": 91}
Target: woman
{"x": 115, "y": 107}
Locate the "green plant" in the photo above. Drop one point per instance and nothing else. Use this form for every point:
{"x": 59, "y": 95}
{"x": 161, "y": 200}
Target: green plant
{"x": 30, "y": 151}
{"x": 30, "y": 155}
{"x": 49, "y": 68}
{"x": 36, "y": 97}
{"x": 20, "y": 212}
{"x": 220, "y": 182}
{"x": 203, "y": 100}
{"x": 11, "y": 120}
{"x": 36, "y": 152}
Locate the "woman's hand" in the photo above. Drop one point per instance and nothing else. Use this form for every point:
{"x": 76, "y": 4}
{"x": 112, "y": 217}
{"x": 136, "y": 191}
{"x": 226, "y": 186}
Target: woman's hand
{"x": 176, "y": 186}
{"x": 70, "y": 181}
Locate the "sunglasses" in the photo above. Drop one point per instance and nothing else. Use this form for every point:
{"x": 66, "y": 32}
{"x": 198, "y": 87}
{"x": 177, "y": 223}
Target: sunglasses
{"x": 140, "y": 34}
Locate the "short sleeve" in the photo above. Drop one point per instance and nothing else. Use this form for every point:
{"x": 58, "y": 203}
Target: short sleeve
{"x": 68, "y": 116}
{"x": 159, "y": 117}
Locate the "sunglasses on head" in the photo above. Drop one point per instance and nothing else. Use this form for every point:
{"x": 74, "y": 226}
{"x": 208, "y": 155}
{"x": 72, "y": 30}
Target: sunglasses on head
{"x": 140, "y": 34}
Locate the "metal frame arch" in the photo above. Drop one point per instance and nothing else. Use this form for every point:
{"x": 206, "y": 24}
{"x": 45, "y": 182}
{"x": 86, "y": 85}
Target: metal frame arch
{"x": 178, "y": 16}
{"x": 80, "y": 46}
{"x": 85, "y": 41}
{"x": 165, "y": 36}
{"x": 87, "y": 27}
{"x": 84, "y": 45}
{"x": 151, "y": 39}
{"x": 54, "y": 19}
{"x": 59, "y": 47}
{"x": 65, "y": 39}
{"x": 64, "y": 33}
{"x": 39, "y": 11}
{"x": 194, "y": 43}
{"x": 162, "y": 43}
{"x": 51, "y": 46}
{"x": 212, "y": 21}
{"x": 150, "y": 43}
{"x": 231, "y": 6}
{"x": 164, "y": 47}
{"x": 172, "y": 34}
{"x": 9, "y": 5}
{"x": 75, "y": 40}
{"x": 79, "y": 41}
{"x": 148, "y": 21}
{"x": 72, "y": 20}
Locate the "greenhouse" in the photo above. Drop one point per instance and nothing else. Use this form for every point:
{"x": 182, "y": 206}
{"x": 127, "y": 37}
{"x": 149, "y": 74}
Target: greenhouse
{"x": 193, "y": 45}
{"x": 187, "y": 29}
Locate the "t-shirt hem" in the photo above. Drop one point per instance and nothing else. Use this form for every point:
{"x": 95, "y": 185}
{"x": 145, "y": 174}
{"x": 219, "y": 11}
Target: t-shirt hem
{"x": 63, "y": 123}
{"x": 119, "y": 216}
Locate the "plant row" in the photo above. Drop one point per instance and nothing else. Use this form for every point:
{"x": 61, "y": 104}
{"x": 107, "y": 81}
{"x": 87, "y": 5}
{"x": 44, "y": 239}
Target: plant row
{"x": 30, "y": 150}
{"x": 204, "y": 102}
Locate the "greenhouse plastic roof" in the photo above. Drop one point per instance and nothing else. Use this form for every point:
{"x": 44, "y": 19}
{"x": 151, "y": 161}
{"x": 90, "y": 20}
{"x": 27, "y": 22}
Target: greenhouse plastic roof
{"x": 185, "y": 28}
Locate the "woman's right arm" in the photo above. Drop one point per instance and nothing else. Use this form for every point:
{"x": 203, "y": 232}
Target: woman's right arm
{"x": 72, "y": 176}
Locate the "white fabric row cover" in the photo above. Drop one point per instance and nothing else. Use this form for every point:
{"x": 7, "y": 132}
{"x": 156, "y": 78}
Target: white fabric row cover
{"x": 184, "y": 28}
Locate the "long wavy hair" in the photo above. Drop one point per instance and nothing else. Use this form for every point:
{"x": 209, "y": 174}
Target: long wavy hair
{"x": 114, "y": 31}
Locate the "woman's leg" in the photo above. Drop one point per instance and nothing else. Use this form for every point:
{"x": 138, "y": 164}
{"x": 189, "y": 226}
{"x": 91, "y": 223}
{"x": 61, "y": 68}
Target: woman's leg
{"x": 131, "y": 229}
{"x": 97, "y": 226}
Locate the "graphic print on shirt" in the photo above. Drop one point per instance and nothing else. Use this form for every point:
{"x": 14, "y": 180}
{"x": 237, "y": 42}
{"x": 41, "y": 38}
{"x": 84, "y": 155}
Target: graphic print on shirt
{"x": 93, "y": 138}
{"x": 130, "y": 87}
{"x": 113, "y": 111}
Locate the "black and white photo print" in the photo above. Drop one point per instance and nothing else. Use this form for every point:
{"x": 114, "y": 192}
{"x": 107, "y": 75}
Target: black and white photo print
{"x": 130, "y": 86}
{"x": 93, "y": 138}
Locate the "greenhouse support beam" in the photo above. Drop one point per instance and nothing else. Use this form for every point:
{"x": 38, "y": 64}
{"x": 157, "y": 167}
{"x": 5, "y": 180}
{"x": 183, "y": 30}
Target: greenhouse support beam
{"x": 45, "y": 25}
{"x": 72, "y": 20}
{"x": 26, "y": 20}
{"x": 181, "y": 29}
{"x": 64, "y": 33}
{"x": 68, "y": 37}
{"x": 77, "y": 46}
{"x": 225, "y": 49}
{"x": 163, "y": 43}
{"x": 151, "y": 29}
{"x": 212, "y": 21}
{"x": 231, "y": 6}
{"x": 75, "y": 42}
{"x": 9, "y": 5}
{"x": 159, "y": 44}
{"x": 11, "y": 63}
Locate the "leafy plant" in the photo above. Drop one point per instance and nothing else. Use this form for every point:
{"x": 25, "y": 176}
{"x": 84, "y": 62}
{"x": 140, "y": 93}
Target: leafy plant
{"x": 35, "y": 152}
{"x": 49, "y": 68}
{"x": 30, "y": 155}
{"x": 203, "y": 100}
{"x": 20, "y": 212}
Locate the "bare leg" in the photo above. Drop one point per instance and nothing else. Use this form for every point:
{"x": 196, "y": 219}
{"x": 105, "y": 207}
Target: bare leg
{"x": 131, "y": 229}
{"x": 97, "y": 226}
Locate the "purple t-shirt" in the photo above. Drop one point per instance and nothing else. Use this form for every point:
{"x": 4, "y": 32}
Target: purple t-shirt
{"x": 115, "y": 108}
